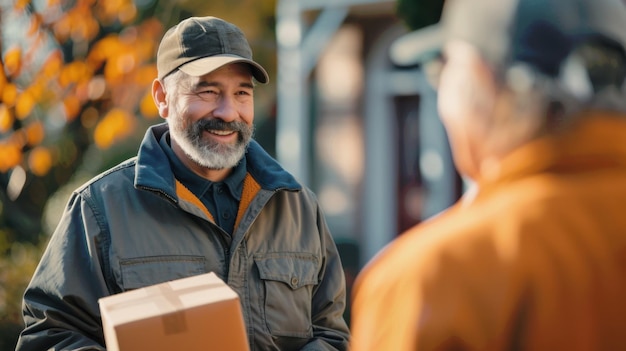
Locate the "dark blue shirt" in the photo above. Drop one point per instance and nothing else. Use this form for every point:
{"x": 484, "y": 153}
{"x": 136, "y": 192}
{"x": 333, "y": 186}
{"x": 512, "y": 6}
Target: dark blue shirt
{"x": 220, "y": 198}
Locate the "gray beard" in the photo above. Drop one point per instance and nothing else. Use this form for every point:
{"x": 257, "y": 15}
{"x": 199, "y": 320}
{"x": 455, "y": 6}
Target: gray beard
{"x": 210, "y": 154}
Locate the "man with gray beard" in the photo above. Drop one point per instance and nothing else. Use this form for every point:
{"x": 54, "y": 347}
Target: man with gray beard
{"x": 201, "y": 196}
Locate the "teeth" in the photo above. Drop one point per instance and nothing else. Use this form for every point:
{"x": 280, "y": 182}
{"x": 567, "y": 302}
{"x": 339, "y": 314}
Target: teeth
{"x": 220, "y": 132}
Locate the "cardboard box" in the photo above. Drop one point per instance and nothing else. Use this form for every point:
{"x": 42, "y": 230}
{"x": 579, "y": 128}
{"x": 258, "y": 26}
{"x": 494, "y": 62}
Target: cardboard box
{"x": 195, "y": 313}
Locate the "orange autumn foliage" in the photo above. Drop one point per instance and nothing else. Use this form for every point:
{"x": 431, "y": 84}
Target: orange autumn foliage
{"x": 9, "y": 94}
{"x": 40, "y": 161}
{"x": 72, "y": 107}
{"x": 13, "y": 61}
{"x": 147, "y": 106}
{"x": 116, "y": 125}
{"x": 24, "y": 104}
{"x": 6, "y": 119}
{"x": 35, "y": 133}
{"x": 111, "y": 75}
{"x": 11, "y": 156}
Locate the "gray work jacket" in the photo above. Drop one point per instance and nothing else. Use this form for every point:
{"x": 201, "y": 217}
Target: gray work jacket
{"x": 136, "y": 225}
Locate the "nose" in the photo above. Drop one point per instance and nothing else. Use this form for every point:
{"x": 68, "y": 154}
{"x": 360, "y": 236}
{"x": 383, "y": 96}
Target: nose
{"x": 226, "y": 109}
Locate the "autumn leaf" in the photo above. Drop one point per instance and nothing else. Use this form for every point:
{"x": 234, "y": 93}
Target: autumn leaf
{"x": 117, "y": 124}
{"x": 74, "y": 72}
{"x": 11, "y": 156}
{"x": 9, "y": 94}
{"x": 72, "y": 107}
{"x": 40, "y": 161}
{"x": 13, "y": 61}
{"x": 35, "y": 133}
{"x": 147, "y": 107}
{"x": 52, "y": 64}
{"x": 127, "y": 13}
{"x": 112, "y": 10}
{"x": 145, "y": 75}
{"x": 103, "y": 49}
{"x": 24, "y": 105}
{"x": 20, "y": 5}
{"x": 82, "y": 24}
{"x": 6, "y": 119}
{"x": 3, "y": 77}
{"x": 62, "y": 28}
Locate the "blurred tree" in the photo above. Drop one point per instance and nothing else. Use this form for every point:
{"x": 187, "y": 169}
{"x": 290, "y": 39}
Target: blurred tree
{"x": 75, "y": 77}
{"x": 74, "y": 73}
{"x": 419, "y": 14}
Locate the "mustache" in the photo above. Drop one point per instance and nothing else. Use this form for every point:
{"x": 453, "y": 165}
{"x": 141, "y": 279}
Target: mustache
{"x": 218, "y": 124}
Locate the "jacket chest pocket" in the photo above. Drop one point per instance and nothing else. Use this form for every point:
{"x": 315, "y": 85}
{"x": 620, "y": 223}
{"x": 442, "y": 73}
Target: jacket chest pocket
{"x": 288, "y": 281}
{"x": 144, "y": 271}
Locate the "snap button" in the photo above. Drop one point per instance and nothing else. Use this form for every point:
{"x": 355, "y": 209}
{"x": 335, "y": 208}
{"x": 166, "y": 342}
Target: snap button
{"x": 294, "y": 281}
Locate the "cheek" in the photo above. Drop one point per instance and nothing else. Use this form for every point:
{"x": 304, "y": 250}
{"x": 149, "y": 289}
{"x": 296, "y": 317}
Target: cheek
{"x": 463, "y": 101}
{"x": 456, "y": 111}
{"x": 246, "y": 112}
{"x": 180, "y": 115}
{"x": 191, "y": 110}
{"x": 452, "y": 101}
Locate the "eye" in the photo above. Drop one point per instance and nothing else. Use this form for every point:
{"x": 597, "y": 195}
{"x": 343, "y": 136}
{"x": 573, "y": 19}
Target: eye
{"x": 244, "y": 93}
{"x": 207, "y": 92}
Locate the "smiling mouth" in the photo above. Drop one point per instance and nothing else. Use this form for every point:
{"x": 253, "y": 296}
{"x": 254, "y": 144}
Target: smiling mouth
{"x": 220, "y": 132}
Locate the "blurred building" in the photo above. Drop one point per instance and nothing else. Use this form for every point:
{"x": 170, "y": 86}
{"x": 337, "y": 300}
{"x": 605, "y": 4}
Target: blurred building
{"x": 361, "y": 132}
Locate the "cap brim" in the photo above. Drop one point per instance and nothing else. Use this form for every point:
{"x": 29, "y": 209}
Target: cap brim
{"x": 418, "y": 46}
{"x": 207, "y": 65}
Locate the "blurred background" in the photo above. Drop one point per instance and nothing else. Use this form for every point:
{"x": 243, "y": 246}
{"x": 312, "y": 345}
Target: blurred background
{"x": 361, "y": 132}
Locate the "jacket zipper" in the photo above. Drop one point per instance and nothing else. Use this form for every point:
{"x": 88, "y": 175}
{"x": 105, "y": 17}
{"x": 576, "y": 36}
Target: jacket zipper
{"x": 226, "y": 262}
{"x": 224, "y": 242}
{"x": 159, "y": 192}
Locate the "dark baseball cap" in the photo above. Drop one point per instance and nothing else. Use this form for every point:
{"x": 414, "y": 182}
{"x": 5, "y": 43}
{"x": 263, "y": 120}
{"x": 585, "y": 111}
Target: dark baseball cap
{"x": 200, "y": 45}
{"x": 540, "y": 33}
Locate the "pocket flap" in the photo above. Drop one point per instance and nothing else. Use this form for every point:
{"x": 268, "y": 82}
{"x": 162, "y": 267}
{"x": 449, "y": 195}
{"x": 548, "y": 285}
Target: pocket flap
{"x": 144, "y": 271}
{"x": 295, "y": 270}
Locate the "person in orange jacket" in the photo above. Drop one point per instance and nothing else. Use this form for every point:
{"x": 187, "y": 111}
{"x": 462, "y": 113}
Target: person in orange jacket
{"x": 532, "y": 94}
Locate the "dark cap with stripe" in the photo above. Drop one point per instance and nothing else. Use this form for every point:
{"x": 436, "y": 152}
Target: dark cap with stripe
{"x": 540, "y": 33}
{"x": 200, "y": 45}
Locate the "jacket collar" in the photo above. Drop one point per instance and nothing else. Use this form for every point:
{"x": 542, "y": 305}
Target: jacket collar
{"x": 595, "y": 142}
{"x": 153, "y": 169}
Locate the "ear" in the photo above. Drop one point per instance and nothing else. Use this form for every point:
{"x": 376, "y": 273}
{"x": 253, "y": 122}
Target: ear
{"x": 158, "y": 95}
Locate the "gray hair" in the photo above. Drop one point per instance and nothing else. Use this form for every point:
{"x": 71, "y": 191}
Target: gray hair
{"x": 176, "y": 80}
{"x": 593, "y": 76}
